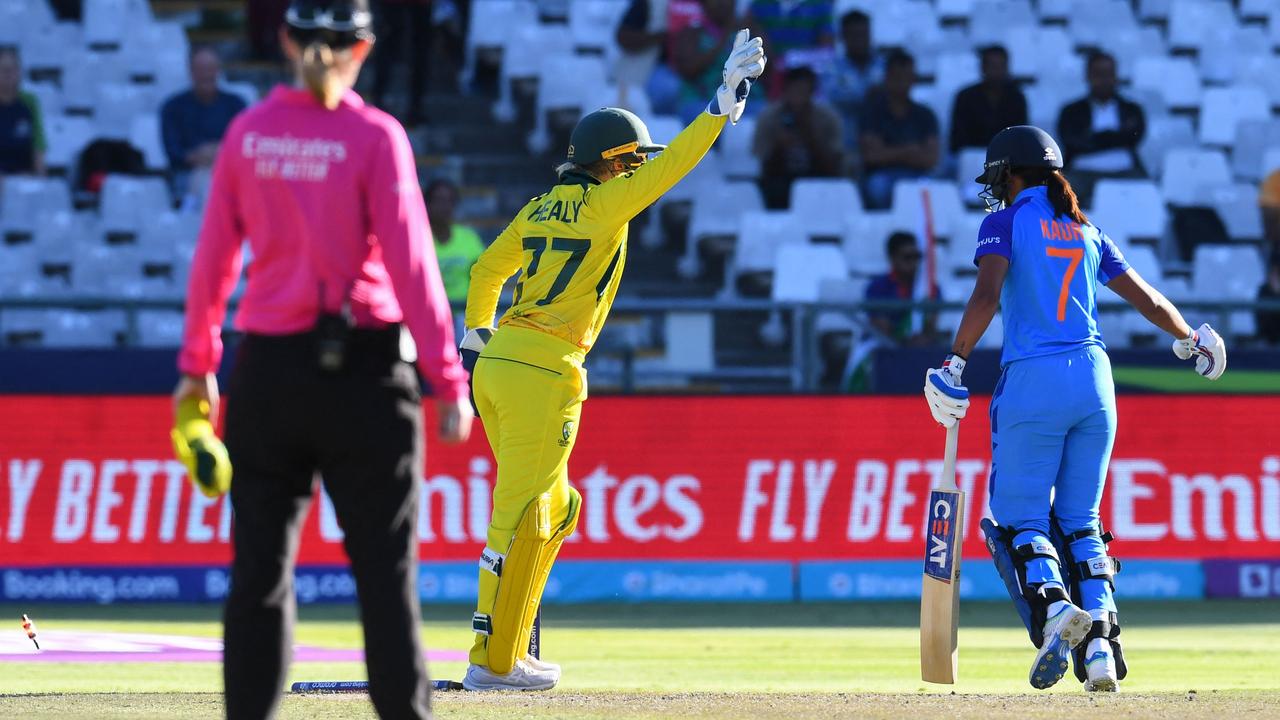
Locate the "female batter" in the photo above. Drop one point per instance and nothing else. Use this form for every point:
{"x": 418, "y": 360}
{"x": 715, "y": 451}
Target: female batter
{"x": 1053, "y": 415}
{"x": 569, "y": 246}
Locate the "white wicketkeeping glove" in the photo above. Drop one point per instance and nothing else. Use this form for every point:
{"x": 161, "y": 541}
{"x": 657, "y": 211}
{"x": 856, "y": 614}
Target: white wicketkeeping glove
{"x": 746, "y": 62}
{"x": 948, "y": 399}
{"x": 1207, "y": 347}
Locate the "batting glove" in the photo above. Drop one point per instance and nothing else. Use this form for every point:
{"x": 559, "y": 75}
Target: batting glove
{"x": 948, "y": 398}
{"x": 746, "y": 62}
{"x": 198, "y": 448}
{"x": 1207, "y": 347}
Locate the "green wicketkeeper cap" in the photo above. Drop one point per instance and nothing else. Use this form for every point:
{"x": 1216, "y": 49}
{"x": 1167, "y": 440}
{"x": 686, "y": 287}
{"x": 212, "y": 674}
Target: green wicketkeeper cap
{"x": 607, "y": 133}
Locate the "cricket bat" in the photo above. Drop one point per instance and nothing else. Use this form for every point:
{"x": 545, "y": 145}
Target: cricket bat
{"x": 940, "y": 593}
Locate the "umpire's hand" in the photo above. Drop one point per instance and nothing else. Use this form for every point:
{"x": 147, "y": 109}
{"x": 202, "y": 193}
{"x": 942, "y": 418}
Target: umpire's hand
{"x": 455, "y": 420}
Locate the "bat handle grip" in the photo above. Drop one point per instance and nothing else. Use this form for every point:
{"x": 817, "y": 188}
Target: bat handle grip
{"x": 948, "y": 479}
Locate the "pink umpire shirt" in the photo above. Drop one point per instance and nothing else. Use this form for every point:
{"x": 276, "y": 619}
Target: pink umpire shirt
{"x": 330, "y": 204}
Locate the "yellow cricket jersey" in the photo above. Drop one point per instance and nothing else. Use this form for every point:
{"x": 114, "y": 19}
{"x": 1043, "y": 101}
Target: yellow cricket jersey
{"x": 570, "y": 244}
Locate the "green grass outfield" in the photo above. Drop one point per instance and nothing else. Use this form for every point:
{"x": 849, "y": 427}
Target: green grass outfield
{"x": 1188, "y": 659}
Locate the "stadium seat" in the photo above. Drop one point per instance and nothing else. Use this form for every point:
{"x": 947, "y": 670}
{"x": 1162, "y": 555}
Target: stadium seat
{"x": 556, "y": 94}
{"x": 44, "y": 45}
{"x": 955, "y": 71}
{"x": 897, "y": 23}
{"x": 760, "y": 234}
{"x": 1271, "y": 160}
{"x": 969, "y": 165}
{"x": 821, "y": 204}
{"x": 954, "y": 9}
{"x": 144, "y": 134}
{"x": 801, "y": 269}
{"x": 734, "y": 147}
{"x": 1014, "y": 17}
{"x": 1128, "y": 44}
{"x": 1223, "y": 108}
{"x": 957, "y": 255}
{"x": 1188, "y": 175}
{"x": 48, "y": 95}
{"x": 524, "y": 53}
{"x": 117, "y": 106}
{"x": 1237, "y": 207}
{"x": 1175, "y": 78}
{"x": 1163, "y": 134}
{"x": 1149, "y": 10}
{"x": 29, "y": 203}
{"x": 1129, "y": 209}
{"x": 944, "y": 203}
{"x": 1194, "y": 23}
{"x": 1228, "y": 57}
{"x": 129, "y": 204}
{"x": 159, "y": 328}
{"x": 1087, "y": 18}
{"x": 1228, "y": 272}
{"x": 1143, "y": 260}
{"x": 716, "y": 211}
{"x": 84, "y": 329}
{"x": 630, "y": 97}
{"x": 592, "y": 23}
{"x": 492, "y": 23}
{"x": 1030, "y": 53}
{"x": 864, "y": 240}
{"x": 19, "y": 270}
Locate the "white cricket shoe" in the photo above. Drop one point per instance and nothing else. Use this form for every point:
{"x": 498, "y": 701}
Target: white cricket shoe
{"x": 1100, "y": 667}
{"x": 524, "y": 676}
{"x": 1063, "y": 631}
{"x": 543, "y": 665}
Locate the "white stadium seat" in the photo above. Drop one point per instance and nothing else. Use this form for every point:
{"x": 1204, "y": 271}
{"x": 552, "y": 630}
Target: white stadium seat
{"x": 801, "y": 269}
{"x": 1190, "y": 174}
{"x": 129, "y": 204}
{"x": 1237, "y": 207}
{"x": 592, "y": 22}
{"x": 1175, "y": 78}
{"x": 944, "y": 204}
{"x": 144, "y": 134}
{"x": 996, "y": 20}
{"x": 717, "y": 210}
{"x": 864, "y": 239}
{"x": 1225, "y": 107}
{"x": 969, "y": 165}
{"x": 1154, "y": 9}
{"x": 1129, "y": 209}
{"x": 1195, "y": 23}
{"x": 1164, "y": 134}
{"x": 734, "y": 148}
{"x": 29, "y": 203}
{"x": 760, "y": 234}
{"x": 821, "y": 204}
{"x": 1228, "y": 272}
{"x": 160, "y": 328}
{"x": 1030, "y": 53}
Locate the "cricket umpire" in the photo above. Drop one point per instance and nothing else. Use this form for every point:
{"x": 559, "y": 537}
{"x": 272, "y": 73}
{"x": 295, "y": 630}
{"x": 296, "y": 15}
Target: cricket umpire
{"x": 325, "y": 191}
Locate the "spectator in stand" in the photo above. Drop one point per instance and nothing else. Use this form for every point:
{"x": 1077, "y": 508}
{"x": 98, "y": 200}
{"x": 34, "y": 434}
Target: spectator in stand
{"x": 796, "y": 137}
{"x": 457, "y": 246}
{"x": 916, "y": 329}
{"x": 193, "y": 122}
{"x": 792, "y": 30}
{"x": 697, "y": 54}
{"x": 1268, "y": 321}
{"x": 643, "y": 38}
{"x": 987, "y": 107}
{"x": 22, "y": 141}
{"x": 1100, "y": 133}
{"x": 899, "y": 137}
{"x": 404, "y": 39}
{"x": 1269, "y": 204}
{"x": 847, "y": 79}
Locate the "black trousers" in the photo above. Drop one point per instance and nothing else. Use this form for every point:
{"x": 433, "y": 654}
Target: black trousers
{"x": 361, "y": 430}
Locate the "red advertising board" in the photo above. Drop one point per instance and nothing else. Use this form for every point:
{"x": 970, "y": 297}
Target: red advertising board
{"x": 89, "y": 480}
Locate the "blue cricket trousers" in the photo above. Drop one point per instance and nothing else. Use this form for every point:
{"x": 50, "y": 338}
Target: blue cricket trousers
{"x": 1053, "y": 423}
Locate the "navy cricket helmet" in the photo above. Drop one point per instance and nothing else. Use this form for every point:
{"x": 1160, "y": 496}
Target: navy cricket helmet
{"x": 1020, "y": 146}
{"x": 336, "y": 23}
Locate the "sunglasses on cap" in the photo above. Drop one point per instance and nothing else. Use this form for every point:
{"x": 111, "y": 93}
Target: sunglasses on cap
{"x": 340, "y": 27}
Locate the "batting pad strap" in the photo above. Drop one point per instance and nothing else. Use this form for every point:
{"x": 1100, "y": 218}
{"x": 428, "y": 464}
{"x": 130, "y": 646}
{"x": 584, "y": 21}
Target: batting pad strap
{"x": 491, "y": 560}
{"x": 482, "y": 623}
{"x": 1102, "y": 567}
{"x": 1103, "y": 535}
{"x": 1028, "y": 551}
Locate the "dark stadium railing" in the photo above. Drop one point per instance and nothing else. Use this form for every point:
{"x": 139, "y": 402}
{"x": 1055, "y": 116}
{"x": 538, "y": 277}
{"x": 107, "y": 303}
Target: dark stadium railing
{"x": 795, "y": 364}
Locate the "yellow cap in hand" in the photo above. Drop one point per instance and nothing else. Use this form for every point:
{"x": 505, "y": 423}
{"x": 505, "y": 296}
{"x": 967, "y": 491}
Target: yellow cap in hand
{"x": 197, "y": 446}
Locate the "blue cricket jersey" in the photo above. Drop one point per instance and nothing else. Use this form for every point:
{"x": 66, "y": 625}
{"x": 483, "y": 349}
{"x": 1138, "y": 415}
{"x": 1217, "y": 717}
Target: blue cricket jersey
{"x": 1049, "y": 299}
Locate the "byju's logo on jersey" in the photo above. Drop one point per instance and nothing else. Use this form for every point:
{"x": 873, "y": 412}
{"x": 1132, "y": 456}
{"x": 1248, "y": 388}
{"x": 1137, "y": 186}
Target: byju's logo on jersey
{"x": 940, "y": 538}
{"x": 566, "y": 433}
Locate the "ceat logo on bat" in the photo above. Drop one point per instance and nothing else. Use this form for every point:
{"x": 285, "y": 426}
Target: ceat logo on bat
{"x": 941, "y": 536}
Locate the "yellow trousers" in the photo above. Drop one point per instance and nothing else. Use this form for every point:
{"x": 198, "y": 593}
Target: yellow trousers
{"x": 529, "y": 387}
